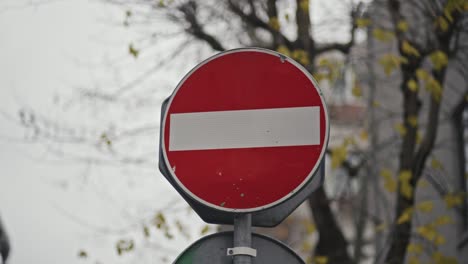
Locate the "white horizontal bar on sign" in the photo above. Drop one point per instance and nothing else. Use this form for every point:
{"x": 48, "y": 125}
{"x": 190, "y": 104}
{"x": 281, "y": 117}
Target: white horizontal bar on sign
{"x": 275, "y": 127}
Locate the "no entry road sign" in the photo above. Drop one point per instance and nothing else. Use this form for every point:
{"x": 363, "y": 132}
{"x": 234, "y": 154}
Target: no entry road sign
{"x": 244, "y": 130}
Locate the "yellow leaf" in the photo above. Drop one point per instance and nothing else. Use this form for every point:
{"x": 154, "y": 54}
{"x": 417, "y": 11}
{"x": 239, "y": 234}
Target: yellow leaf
{"x": 403, "y": 60}
{"x": 406, "y": 189}
{"x": 402, "y": 26}
{"x": 390, "y": 62}
{"x": 422, "y": 74}
{"x": 338, "y": 156}
{"x": 427, "y": 231}
{"x": 320, "y": 76}
{"x": 82, "y": 254}
{"x": 452, "y": 200}
{"x": 306, "y": 246}
{"x": 412, "y": 85}
{"x": 439, "y": 59}
{"x": 357, "y": 91}
{"x": 390, "y": 185}
{"x": 436, "y": 164}
{"x": 349, "y": 141}
{"x": 418, "y": 137}
{"x": 423, "y": 183}
{"x": 414, "y": 248}
{"x": 321, "y": 259}
{"x": 442, "y": 23}
{"x": 301, "y": 56}
{"x": 134, "y": 52}
{"x": 439, "y": 258}
{"x": 274, "y": 23}
{"x": 323, "y": 62}
{"x": 363, "y": 22}
{"x": 443, "y": 220}
{"x": 405, "y": 175}
{"x": 168, "y": 235}
{"x": 376, "y": 103}
{"x": 106, "y": 140}
{"x": 408, "y": 49}
{"x": 146, "y": 231}
{"x": 310, "y": 227}
{"x": 413, "y": 260}
{"x": 380, "y": 227}
{"x": 401, "y": 129}
{"x": 284, "y": 50}
{"x": 450, "y": 260}
{"x": 439, "y": 240}
{"x": 124, "y": 246}
{"x": 386, "y": 173}
{"x": 405, "y": 216}
{"x": 205, "y": 229}
{"x": 383, "y": 35}
{"x": 160, "y": 220}
{"x": 364, "y": 135}
{"x": 454, "y": 5}
{"x": 304, "y": 5}
{"x": 448, "y": 13}
{"x": 434, "y": 87}
{"x": 413, "y": 121}
{"x": 426, "y": 206}
{"x": 182, "y": 229}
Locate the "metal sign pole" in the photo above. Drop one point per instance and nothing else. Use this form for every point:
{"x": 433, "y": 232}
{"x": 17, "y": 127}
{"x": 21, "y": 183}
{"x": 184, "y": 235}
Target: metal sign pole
{"x": 242, "y": 252}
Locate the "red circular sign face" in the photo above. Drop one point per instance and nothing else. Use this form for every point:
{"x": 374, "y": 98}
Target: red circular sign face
{"x": 245, "y": 130}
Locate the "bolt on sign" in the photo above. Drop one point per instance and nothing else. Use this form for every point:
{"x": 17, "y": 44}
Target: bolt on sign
{"x": 244, "y": 131}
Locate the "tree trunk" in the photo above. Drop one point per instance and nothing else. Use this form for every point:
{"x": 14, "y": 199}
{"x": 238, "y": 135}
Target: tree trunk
{"x": 331, "y": 241}
{"x": 4, "y": 244}
{"x": 457, "y": 120}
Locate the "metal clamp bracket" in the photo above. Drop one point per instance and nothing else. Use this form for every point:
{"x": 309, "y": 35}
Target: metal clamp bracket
{"x": 242, "y": 251}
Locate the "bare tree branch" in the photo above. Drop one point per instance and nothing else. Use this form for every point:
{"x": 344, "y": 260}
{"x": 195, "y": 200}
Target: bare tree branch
{"x": 343, "y": 47}
{"x": 253, "y": 20}
{"x": 189, "y": 10}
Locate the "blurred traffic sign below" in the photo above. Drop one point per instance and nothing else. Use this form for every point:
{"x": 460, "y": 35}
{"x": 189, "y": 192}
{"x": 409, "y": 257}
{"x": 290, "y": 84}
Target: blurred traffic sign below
{"x": 215, "y": 249}
{"x": 243, "y": 131}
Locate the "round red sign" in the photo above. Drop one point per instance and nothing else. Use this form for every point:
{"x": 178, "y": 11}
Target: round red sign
{"x": 245, "y": 130}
